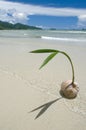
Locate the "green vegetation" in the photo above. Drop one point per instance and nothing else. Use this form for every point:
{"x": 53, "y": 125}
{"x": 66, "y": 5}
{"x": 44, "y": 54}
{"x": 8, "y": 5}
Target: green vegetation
{"x": 69, "y": 89}
{"x": 9, "y": 26}
{"x": 54, "y": 53}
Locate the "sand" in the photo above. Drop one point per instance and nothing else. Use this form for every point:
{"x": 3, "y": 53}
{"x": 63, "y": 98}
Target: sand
{"x": 23, "y": 87}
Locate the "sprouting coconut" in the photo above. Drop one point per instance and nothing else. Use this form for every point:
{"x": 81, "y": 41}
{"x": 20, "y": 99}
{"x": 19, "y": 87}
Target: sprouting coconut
{"x": 69, "y": 89}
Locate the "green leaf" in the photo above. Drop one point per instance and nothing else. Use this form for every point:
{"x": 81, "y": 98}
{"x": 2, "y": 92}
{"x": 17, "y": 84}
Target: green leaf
{"x": 48, "y": 59}
{"x": 44, "y": 51}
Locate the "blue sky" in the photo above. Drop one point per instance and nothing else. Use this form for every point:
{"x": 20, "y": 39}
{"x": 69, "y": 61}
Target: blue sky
{"x": 60, "y": 14}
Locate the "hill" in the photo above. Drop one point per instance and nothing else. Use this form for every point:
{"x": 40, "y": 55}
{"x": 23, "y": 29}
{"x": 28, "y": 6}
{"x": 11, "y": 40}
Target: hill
{"x": 9, "y": 26}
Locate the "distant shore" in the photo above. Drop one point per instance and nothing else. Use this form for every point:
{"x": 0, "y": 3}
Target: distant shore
{"x": 19, "y": 26}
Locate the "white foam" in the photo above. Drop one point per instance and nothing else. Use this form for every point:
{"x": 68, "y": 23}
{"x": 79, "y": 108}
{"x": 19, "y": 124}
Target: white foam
{"x": 63, "y": 39}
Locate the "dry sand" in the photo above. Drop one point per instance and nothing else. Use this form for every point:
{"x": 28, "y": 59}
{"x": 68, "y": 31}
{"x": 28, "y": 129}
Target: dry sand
{"x": 24, "y": 87}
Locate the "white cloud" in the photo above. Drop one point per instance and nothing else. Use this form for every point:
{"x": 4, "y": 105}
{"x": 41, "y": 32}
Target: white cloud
{"x": 19, "y": 12}
{"x": 82, "y": 21}
{"x": 82, "y": 17}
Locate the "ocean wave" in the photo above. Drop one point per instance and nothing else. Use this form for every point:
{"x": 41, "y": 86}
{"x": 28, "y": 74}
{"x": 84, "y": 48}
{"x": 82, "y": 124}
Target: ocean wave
{"x": 68, "y": 31}
{"x": 74, "y": 32}
{"x": 63, "y": 39}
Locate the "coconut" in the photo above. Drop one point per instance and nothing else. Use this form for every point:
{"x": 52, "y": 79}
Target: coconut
{"x": 69, "y": 90}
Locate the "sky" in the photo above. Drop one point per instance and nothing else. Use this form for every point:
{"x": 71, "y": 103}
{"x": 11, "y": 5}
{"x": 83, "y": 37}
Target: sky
{"x": 60, "y": 14}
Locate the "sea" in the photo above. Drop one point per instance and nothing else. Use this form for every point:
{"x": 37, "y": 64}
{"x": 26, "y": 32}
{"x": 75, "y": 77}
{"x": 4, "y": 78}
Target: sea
{"x": 54, "y": 35}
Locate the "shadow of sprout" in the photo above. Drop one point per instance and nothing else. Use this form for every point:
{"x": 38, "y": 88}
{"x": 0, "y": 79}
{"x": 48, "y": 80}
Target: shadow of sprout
{"x": 44, "y": 107}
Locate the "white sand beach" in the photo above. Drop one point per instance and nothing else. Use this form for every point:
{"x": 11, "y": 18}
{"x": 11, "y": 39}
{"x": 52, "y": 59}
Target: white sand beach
{"x": 23, "y": 87}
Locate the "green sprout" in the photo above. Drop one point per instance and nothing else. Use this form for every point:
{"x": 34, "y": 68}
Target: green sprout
{"x": 69, "y": 89}
{"x": 54, "y": 53}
